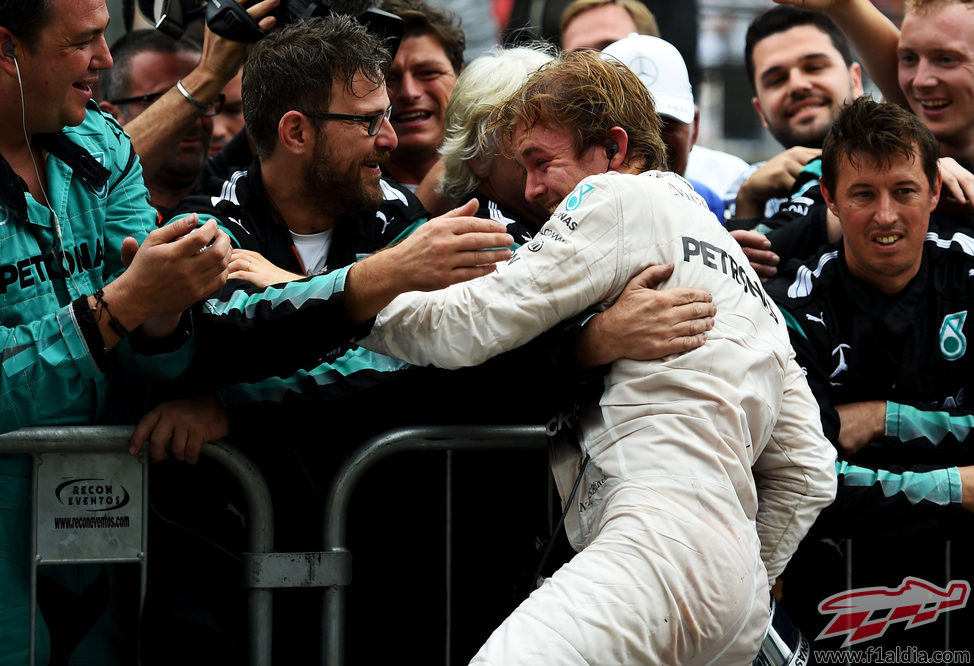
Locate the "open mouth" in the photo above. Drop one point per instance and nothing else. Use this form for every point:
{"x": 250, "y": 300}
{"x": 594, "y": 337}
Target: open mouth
{"x": 889, "y": 239}
{"x": 412, "y": 116}
{"x": 933, "y": 104}
{"x": 376, "y": 161}
{"x": 82, "y": 86}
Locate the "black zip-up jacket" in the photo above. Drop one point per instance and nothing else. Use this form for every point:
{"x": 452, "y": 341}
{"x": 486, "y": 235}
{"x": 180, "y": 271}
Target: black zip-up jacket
{"x": 909, "y": 349}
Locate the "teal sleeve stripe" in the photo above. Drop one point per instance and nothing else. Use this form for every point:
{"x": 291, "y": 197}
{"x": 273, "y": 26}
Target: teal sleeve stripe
{"x": 276, "y": 388}
{"x": 320, "y": 287}
{"x": 792, "y": 323}
{"x": 360, "y": 358}
{"x": 409, "y": 230}
{"x": 814, "y": 167}
{"x": 51, "y": 342}
{"x": 74, "y": 343}
{"x": 940, "y": 486}
{"x": 203, "y": 219}
{"x": 906, "y": 422}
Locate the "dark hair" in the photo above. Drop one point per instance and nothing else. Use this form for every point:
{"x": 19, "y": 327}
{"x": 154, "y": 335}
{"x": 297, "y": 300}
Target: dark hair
{"x": 296, "y": 66}
{"x": 783, "y": 18}
{"x": 115, "y": 81}
{"x": 587, "y": 95}
{"x": 879, "y": 132}
{"x": 422, "y": 19}
{"x": 25, "y": 18}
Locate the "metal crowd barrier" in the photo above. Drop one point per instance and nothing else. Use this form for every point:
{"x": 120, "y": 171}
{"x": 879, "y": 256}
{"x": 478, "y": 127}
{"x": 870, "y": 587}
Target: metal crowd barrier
{"x": 420, "y": 438}
{"x": 86, "y": 475}
{"x": 469, "y": 438}
{"x": 87, "y": 469}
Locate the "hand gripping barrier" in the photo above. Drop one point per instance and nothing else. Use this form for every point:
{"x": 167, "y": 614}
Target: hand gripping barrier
{"x": 421, "y": 438}
{"x": 85, "y": 474}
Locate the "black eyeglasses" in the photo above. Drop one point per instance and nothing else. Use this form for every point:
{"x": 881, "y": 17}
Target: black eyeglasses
{"x": 212, "y": 110}
{"x": 374, "y": 121}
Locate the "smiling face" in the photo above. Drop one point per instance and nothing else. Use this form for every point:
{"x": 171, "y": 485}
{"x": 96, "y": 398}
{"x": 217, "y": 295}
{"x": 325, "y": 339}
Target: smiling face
{"x": 936, "y": 72}
{"x": 345, "y": 158}
{"x": 551, "y": 168}
{"x": 59, "y": 70}
{"x": 802, "y": 82}
{"x": 884, "y": 210}
{"x": 420, "y": 82}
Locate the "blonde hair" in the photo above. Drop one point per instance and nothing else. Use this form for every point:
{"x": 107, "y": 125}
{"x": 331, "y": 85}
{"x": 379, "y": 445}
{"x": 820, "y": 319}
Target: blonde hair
{"x": 587, "y": 95}
{"x": 484, "y": 83}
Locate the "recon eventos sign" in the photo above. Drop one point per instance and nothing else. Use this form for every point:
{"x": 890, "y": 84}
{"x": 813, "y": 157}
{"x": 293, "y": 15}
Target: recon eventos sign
{"x": 92, "y": 494}
{"x": 89, "y": 507}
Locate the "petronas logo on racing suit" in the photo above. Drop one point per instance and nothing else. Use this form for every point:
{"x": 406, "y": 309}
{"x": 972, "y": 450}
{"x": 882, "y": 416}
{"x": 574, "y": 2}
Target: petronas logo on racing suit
{"x": 953, "y": 342}
{"x": 575, "y": 198}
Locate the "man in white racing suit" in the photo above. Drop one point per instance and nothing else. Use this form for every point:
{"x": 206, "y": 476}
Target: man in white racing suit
{"x": 706, "y": 468}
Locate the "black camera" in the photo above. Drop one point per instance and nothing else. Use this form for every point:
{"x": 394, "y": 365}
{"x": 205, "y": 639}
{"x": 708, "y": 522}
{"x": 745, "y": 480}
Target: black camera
{"x": 230, "y": 19}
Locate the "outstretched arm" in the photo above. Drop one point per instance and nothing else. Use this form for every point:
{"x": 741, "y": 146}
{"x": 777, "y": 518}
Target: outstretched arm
{"x": 157, "y": 130}
{"x": 446, "y": 250}
{"x": 313, "y": 314}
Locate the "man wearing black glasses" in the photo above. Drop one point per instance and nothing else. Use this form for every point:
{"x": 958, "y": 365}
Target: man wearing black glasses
{"x": 314, "y": 203}
{"x": 148, "y": 64}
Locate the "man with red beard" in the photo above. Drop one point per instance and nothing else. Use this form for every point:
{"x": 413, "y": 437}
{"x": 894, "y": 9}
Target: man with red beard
{"x": 147, "y": 64}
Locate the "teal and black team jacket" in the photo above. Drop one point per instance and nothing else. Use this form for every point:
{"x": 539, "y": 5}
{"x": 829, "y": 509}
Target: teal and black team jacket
{"x": 241, "y": 319}
{"x": 49, "y": 376}
{"x": 899, "y": 497}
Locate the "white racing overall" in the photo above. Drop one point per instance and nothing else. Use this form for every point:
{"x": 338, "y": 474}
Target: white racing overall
{"x": 707, "y": 468}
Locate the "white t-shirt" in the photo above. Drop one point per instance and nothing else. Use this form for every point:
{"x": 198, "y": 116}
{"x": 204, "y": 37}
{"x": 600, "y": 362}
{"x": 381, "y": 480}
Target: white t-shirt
{"x": 313, "y": 250}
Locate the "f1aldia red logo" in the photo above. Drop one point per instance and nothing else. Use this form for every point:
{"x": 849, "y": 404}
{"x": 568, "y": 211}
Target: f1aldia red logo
{"x": 866, "y": 613}
{"x": 92, "y": 494}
